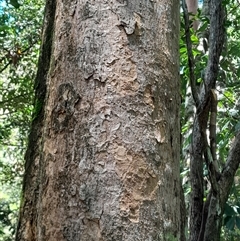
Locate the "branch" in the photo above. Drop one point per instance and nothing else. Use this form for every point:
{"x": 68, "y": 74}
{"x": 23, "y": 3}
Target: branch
{"x": 204, "y": 217}
{"x": 212, "y": 128}
{"x": 5, "y": 66}
{"x": 217, "y": 33}
{"x": 17, "y": 54}
{"x": 230, "y": 169}
{"x": 212, "y": 171}
{"x": 215, "y": 202}
{"x": 191, "y": 63}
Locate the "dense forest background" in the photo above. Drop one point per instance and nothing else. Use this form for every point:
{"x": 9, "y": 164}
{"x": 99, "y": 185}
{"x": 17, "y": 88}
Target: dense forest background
{"x": 20, "y": 35}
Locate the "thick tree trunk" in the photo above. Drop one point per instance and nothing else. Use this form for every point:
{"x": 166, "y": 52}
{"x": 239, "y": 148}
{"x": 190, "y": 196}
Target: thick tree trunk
{"x": 103, "y": 161}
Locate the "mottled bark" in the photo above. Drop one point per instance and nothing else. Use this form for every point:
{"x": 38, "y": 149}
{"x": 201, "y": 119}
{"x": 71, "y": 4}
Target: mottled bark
{"x": 107, "y": 160}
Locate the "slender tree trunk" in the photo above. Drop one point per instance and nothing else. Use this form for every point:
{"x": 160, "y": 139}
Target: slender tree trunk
{"x": 103, "y": 156}
{"x": 192, "y": 6}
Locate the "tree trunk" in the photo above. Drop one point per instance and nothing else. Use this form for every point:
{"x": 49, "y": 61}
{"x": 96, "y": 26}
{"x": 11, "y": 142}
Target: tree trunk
{"x": 103, "y": 155}
{"x": 192, "y": 6}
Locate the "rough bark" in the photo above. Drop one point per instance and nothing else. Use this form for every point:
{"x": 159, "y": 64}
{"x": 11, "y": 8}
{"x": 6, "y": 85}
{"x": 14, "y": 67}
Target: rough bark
{"x": 106, "y": 162}
{"x": 28, "y": 218}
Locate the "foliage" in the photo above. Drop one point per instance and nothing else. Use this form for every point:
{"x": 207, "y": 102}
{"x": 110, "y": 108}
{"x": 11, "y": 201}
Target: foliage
{"x": 20, "y": 30}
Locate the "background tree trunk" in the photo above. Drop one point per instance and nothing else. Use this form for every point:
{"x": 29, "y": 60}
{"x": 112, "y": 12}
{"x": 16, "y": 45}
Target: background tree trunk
{"x": 103, "y": 156}
{"x": 192, "y": 6}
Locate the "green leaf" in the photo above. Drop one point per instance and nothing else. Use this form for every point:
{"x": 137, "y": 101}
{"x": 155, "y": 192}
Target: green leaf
{"x": 230, "y": 223}
{"x": 203, "y": 27}
{"x": 229, "y": 211}
{"x": 183, "y": 50}
{"x": 238, "y": 222}
{"x": 237, "y": 127}
{"x": 194, "y": 39}
{"x": 14, "y": 3}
